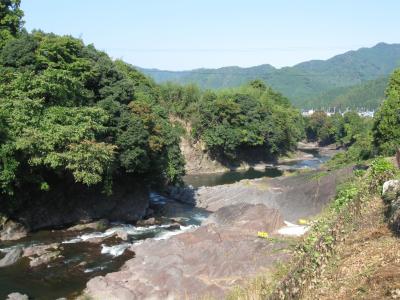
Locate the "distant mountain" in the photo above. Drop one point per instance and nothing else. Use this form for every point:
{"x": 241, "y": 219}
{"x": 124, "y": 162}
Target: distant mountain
{"x": 211, "y": 78}
{"x": 306, "y": 83}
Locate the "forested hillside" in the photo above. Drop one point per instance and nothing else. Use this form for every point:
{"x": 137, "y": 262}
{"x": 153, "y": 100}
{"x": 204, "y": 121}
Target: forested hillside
{"x": 300, "y": 83}
{"x": 69, "y": 113}
{"x": 234, "y": 120}
{"x": 368, "y": 95}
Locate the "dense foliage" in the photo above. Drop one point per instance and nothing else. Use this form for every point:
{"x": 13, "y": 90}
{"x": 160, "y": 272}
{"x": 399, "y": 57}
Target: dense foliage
{"x": 68, "y": 113}
{"x": 230, "y": 121}
{"x": 368, "y": 95}
{"x": 386, "y": 129}
{"x": 342, "y": 80}
{"x": 10, "y": 20}
{"x": 67, "y": 109}
{"x": 344, "y": 130}
{"x": 349, "y": 131}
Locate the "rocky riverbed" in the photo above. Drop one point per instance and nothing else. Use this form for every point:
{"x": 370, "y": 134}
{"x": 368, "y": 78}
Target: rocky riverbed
{"x": 194, "y": 241}
{"x": 225, "y": 250}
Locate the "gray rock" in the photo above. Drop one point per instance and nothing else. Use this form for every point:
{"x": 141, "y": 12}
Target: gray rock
{"x": 11, "y": 257}
{"x": 296, "y": 197}
{"x": 247, "y": 217}
{"x": 390, "y": 186}
{"x": 123, "y": 235}
{"x": 39, "y": 250}
{"x": 77, "y": 204}
{"x": 148, "y": 222}
{"x": 207, "y": 261}
{"x": 391, "y": 195}
{"x": 97, "y": 225}
{"x": 13, "y": 231}
{"x": 174, "y": 226}
{"x": 44, "y": 258}
{"x": 17, "y": 296}
{"x": 225, "y": 250}
{"x": 42, "y": 254}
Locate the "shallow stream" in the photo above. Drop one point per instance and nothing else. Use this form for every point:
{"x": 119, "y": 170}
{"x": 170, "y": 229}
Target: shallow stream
{"x": 82, "y": 260}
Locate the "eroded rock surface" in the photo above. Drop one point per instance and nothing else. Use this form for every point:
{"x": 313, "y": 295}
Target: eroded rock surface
{"x": 391, "y": 195}
{"x": 13, "y": 231}
{"x": 294, "y": 196}
{"x": 42, "y": 254}
{"x": 207, "y": 261}
{"x": 97, "y": 225}
{"x": 17, "y": 296}
{"x": 11, "y": 257}
{"x": 76, "y": 204}
{"x": 225, "y": 250}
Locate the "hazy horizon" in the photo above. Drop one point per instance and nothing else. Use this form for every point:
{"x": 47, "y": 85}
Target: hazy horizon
{"x": 185, "y": 35}
{"x": 262, "y": 64}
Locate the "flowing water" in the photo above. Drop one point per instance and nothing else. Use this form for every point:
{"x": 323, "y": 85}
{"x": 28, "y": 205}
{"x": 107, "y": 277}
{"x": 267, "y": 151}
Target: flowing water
{"x": 269, "y": 171}
{"x": 82, "y": 260}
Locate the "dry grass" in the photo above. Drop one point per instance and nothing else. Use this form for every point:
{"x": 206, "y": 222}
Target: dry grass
{"x": 366, "y": 264}
{"x": 258, "y": 288}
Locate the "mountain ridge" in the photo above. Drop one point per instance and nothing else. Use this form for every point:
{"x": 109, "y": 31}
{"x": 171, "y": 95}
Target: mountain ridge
{"x": 302, "y": 82}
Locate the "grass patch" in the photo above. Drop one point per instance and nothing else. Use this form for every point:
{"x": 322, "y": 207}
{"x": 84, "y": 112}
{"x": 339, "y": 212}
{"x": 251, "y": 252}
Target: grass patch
{"x": 316, "y": 253}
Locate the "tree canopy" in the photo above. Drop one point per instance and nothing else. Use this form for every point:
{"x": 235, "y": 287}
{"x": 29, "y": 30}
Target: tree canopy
{"x": 66, "y": 108}
{"x": 386, "y": 130}
{"x": 231, "y": 120}
{"x": 10, "y": 20}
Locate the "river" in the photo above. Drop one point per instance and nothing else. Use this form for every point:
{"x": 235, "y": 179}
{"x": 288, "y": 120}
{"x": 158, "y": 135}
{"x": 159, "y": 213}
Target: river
{"x": 82, "y": 260}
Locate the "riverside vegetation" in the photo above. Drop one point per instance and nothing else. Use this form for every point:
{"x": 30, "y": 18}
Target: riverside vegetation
{"x": 70, "y": 114}
{"x": 72, "y": 117}
{"x": 354, "y": 218}
{"x": 351, "y": 249}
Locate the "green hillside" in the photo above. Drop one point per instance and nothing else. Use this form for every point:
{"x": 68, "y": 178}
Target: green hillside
{"x": 302, "y": 82}
{"x": 368, "y": 95}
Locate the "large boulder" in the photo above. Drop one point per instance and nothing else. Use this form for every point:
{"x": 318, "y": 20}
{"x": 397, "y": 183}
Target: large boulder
{"x": 13, "y": 231}
{"x": 11, "y": 257}
{"x": 78, "y": 204}
{"x": 148, "y": 222}
{"x": 42, "y": 254}
{"x": 45, "y": 258}
{"x": 17, "y": 296}
{"x": 38, "y": 250}
{"x": 97, "y": 225}
{"x": 391, "y": 195}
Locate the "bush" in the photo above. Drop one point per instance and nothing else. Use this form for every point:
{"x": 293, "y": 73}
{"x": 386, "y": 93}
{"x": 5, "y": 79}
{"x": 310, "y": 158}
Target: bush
{"x": 381, "y": 170}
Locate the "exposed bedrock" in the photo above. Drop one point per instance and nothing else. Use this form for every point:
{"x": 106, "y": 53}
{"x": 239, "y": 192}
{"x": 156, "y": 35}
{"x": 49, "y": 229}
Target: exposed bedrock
{"x": 208, "y": 261}
{"x": 225, "y": 250}
{"x": 72, "y": 204}
{"x": 295, "y": 197}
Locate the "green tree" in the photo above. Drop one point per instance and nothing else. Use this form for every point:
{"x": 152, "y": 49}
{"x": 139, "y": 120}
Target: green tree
{"x": 10, "y": 20}
{"x": 68, "y": 112}
{"x": 386, "y": 129}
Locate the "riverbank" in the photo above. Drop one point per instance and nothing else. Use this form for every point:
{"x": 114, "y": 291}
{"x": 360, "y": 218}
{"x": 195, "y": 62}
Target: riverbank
{"x": 350, "y": 251}
{"x": 69, "y": 258}
{"x": 226, "y": 249}
{"x": 51, "y": 264}
{"x": 199, "y": 161}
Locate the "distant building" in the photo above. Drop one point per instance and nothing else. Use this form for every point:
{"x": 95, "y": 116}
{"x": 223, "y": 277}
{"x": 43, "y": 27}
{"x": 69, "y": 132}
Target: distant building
{"x": 362, "y": 112}
{"x": 307, "y": 113}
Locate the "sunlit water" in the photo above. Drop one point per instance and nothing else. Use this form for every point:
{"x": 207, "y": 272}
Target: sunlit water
{"x": 81, "y": 261}
{"x": 270, "y": 171}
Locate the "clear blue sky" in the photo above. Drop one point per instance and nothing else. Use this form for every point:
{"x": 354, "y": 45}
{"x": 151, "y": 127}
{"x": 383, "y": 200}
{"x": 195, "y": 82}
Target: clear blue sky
{"x": 186, "y": 34}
